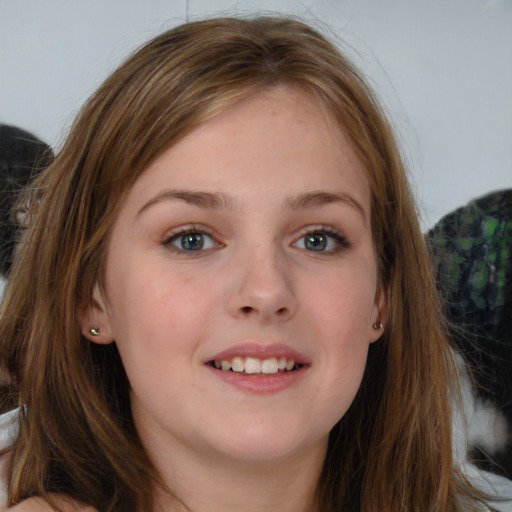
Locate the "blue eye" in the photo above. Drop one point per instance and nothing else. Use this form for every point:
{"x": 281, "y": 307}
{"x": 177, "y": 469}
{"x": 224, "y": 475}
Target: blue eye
{"x": 316, "y": 242}
{"x": 191, "y": 241}
{"x": 322, "y": 241}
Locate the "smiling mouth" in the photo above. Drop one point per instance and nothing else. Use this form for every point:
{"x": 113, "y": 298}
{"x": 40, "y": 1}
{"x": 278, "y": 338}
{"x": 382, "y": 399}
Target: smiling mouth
{"x": 254, "y": 366}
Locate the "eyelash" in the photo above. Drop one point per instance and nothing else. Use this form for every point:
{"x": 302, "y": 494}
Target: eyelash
{"x": 340, "y": 240}
{"x": 183, "y": 231}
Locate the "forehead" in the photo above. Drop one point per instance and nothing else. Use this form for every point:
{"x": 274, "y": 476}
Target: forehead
{"x": 281, "y": 140}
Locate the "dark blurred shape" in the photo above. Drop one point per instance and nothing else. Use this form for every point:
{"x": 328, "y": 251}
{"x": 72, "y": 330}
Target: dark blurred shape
{"x": 22, "y": 156}
{"x": 472, "y": 249}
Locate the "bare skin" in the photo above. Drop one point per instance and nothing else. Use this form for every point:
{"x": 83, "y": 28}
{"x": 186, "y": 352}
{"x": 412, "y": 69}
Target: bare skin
{"x": 40, "y": 505}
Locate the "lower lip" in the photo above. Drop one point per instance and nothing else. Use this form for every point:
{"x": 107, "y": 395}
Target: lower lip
{"x": 258, "y": 384}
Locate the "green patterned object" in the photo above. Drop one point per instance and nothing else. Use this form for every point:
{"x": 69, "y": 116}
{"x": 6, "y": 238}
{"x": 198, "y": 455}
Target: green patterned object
{"x": 472, "y": 256}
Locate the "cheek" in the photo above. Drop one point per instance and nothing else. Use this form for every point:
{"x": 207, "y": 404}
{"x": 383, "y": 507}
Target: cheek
{"x": 343, "y": 364}
{"x": 342, "y": 308}
{"x": 344, "y": 301}
{"x": 157, "y": 315}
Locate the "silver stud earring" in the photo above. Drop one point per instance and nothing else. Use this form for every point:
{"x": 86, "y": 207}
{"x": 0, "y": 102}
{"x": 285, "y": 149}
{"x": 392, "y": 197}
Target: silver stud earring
{"x": 377, "y": 326}
{"x": 94, "y": 331}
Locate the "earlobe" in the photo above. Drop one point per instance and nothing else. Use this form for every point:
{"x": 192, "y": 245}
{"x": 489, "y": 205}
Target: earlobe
{"x": 94, "y": 320}
{"x": 379, "y": 315}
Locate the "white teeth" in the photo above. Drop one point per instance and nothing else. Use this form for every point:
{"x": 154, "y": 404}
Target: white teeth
{"x": 238, "y": 364}
{"x": 252, "y": 365}
{"x": 269, "y": 366}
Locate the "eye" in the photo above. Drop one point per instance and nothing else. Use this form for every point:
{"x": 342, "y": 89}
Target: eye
{"x": 191, "y": 241}
{"x": 322, "y": 240}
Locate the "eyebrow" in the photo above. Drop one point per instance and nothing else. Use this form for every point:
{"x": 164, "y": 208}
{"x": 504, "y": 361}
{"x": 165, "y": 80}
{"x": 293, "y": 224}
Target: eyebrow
{"x": 220, "y": 201}
{"x": 208, "y": 200}
{"x": 313, "y": 199}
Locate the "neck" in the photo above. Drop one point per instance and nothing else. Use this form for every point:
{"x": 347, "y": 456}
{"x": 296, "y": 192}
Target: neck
{"x": 215, "y": 485}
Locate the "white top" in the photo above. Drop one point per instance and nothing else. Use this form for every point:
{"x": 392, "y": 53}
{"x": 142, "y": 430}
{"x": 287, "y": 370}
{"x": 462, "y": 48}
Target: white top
{"x": 489, "y": 483}
{"x": 8, "y": 433}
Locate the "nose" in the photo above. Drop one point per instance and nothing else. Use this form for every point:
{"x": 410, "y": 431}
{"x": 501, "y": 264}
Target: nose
{"x": 261, "y": 287}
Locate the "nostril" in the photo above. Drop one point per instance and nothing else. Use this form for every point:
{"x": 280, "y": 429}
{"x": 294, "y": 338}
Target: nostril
{"x": 250, "y": 310}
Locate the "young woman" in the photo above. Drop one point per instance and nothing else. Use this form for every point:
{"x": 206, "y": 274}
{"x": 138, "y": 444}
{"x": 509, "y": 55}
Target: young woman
{"x": 223, "y": 300}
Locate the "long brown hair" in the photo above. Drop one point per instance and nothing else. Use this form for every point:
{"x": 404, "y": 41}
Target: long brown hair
{"x": 390, "y": 452}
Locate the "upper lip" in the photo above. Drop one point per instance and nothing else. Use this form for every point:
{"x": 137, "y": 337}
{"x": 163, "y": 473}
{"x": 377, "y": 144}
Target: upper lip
{"x": 260, "y": 351}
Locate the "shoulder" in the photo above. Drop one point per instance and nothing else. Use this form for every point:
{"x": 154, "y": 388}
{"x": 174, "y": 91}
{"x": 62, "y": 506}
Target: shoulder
{"x": 40, "y": 505}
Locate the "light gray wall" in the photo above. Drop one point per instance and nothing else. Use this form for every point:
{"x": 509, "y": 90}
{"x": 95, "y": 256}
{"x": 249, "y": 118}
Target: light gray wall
{"x": 442, "y": 67}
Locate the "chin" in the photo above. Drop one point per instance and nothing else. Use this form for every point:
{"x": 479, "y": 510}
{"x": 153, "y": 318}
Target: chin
{"x": 266, "y": 444}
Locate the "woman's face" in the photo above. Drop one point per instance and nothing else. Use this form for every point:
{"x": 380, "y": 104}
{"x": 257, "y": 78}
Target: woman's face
{"x": 241, "y": 284}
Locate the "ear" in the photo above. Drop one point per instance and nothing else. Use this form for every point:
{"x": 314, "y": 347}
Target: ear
{"x": 379, "y": 314}
{"x": 94, "y": 320}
